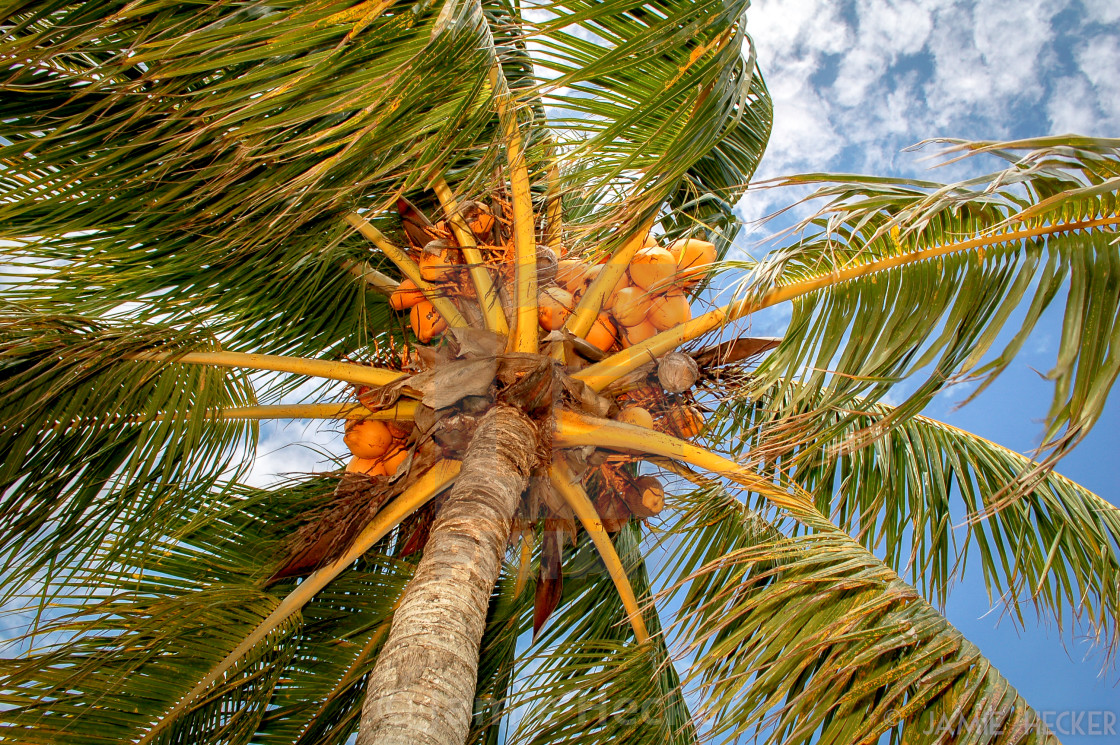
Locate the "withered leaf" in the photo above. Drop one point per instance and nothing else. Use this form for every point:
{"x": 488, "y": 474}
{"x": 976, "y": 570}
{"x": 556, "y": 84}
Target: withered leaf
{"x": 447, "y": 385}
{"x": 333, "y": 527}
{"x": 550, "y": 579}
{"x": 735, "y": 350}
{"x": 474, "y": 342}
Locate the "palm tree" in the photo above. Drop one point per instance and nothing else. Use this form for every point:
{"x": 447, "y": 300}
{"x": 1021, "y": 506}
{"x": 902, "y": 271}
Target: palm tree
{"x": 211, "y": 209}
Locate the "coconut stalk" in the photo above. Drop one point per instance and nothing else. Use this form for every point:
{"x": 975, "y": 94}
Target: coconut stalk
{"x": 432, "y": 482}
{"x": 526, "y": 328}
{"x": 582, "y": 318}
{"x": 348, "y": 372}
{"x": 576, "y": 430}
{"x": 422, "y": 688}
{"x": 602, "y": 374}
{"x": 409, "y": 268}
{"x": 569, "y": 489}
{"x": 400, "y": 411}
{"x": 384, "y": 284}
{"x": 492, "y": 314}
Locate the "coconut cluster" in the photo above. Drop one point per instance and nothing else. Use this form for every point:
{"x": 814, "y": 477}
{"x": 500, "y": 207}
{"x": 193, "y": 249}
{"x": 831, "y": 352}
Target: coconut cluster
{"x": 378, "y": 448}
{"x": 651, "y": 296}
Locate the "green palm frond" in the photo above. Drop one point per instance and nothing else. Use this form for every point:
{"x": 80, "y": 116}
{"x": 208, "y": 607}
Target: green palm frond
{"x": 813, "y": 639}
{"x": 902, "y": 488}
{"x": 168, "y": 613}
{"x": 586, "y": 656}
{"x": 950, "y": 264}
{"x": 95, "y": 444}
{"x": 648, "y": 105}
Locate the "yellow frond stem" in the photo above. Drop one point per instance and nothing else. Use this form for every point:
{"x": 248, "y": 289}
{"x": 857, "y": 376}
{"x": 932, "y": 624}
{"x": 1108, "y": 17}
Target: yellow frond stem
{"x": 602, "y": 374}
{"x": 525, "y": 563}
{"x": 437, "y": 478}
{"x": 409, "y": 268}
{"x": 554, "y": 210}
{"x": 577, "y": 430}
{"x": 526, "y": 324}
{"x": 582, "y": 318}
{"x": 492, "y": 312}
{"x": 565, "y": 484}
{"x": 375, "y": 279}
{"x": 401, "y": 411}
{"x": 345, "y": 371}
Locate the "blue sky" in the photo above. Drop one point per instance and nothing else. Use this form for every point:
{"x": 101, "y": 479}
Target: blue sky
{"x": 854, "y": 83}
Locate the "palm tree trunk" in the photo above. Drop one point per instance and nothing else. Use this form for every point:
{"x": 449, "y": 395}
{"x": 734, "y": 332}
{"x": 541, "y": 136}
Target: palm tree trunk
{"x": 421, "y": 691}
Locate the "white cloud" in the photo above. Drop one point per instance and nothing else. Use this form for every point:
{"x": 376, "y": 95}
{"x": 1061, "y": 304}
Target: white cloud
{"x": 1099, "y": 61}
{"x": 987, "y": 56}
{"x": 1102, "y": 11}
{"x": 1072, "y": 108}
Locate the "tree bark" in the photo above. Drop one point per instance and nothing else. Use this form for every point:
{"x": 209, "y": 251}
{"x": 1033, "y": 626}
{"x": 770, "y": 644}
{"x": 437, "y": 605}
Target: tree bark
{"x": 421, "y": 691}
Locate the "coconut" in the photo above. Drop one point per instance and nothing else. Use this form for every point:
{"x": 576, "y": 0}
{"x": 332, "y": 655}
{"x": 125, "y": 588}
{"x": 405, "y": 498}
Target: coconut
{"x": 632, "y": 335}
{"x": 569, "y": 273}
{"x": 653, "y": 494}
{"x": 677, "y": 372}
{"x": 478, "y": 218}
{"x": 547, "y": 264}
{"x": 438, "y": 261}
{"x": 585, "y": 281}
{"x": 650, "y": 241}
{"x": 694, "y": 258}
{"x": 669, "y": 310}
{"x": 368, "y": 466}
{"x": 400, "y": 429}
{"x": 367, "y": 438}
{"x": 603, "y": 334}
{"x": 426, "y": 321}
{"x": 630, "y": 305}
{"x": 405, "y": 296}
{"x": 683, "y": 421}
{"x": 635, "y": 415}
{"x": 652, "y": 267}
{"x": 394, "y": 460}
{"x": 554, "y": 306}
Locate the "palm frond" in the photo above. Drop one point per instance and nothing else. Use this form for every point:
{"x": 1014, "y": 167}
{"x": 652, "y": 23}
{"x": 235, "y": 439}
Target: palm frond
{"x": 903, "y": 486}
{"x": 937, "y": 271}
{"x": 647, "y": 105}
{"x": 167, "y": 614}
{"x": 587, "y": 682}
{"x": 94, "y": 443}
{"x": 813, "y": 639}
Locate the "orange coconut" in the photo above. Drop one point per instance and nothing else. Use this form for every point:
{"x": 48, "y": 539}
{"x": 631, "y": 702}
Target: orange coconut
{"x": 368, "y": 466}
{"x": 667, "y": 311}
{"x": 650, "y": 241}
{"x": 635, "y": 415}
{"x": 652, "y": 267}
{"x": 632, "y": 335}
{"x": 569, "y": 274}
{"x": 682, "y": 421}
{"x": 394, "y": 460}
{"x": 438, "y": 261}
{"x": 694, "y": 258}
{"x": 554, "y": 306}
{"x": 406, "y": 295}
{"x": 426, "y": 321}
{"x": 367, "y": 438}
{"x": 630, "y": 305}
{"x": 603, "y": 333}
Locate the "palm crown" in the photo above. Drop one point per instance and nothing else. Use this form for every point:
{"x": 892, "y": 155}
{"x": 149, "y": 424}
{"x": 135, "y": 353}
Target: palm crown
{"x": 464, "y": 211}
